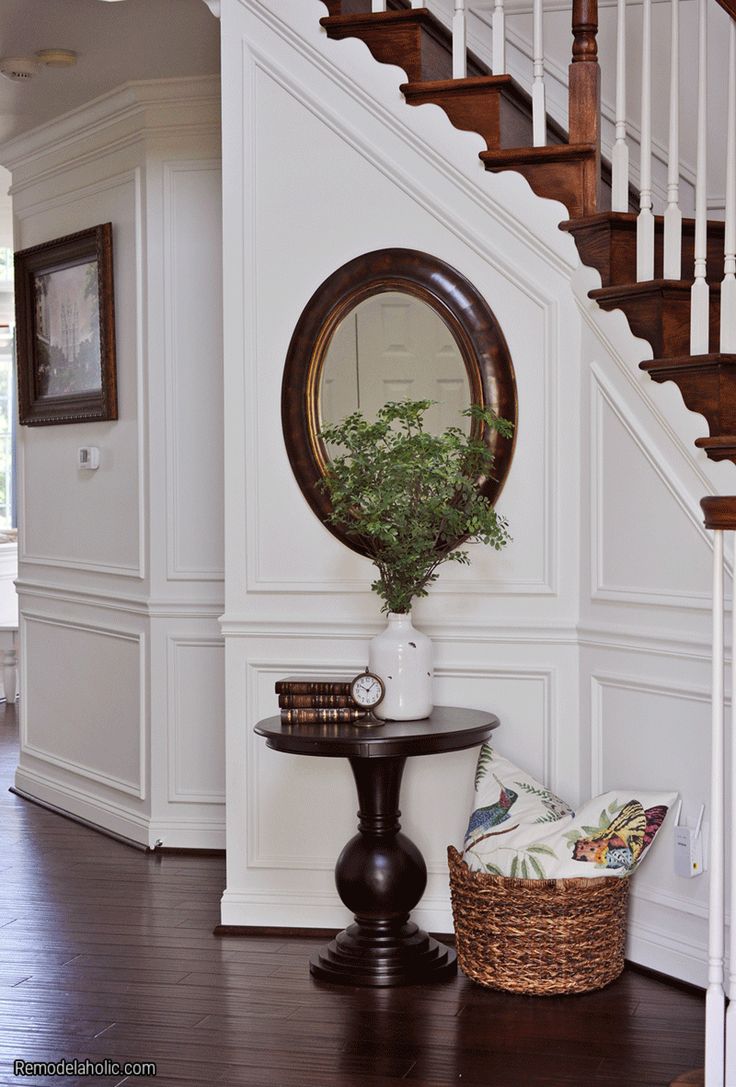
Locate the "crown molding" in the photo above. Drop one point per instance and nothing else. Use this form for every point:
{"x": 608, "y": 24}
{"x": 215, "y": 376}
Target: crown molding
{"x": 153, "y": 103}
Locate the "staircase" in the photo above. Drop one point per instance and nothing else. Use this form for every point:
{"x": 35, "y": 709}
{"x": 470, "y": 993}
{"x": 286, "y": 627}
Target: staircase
{"x": 569, "y": 169}
{"x": 669, "y": 275}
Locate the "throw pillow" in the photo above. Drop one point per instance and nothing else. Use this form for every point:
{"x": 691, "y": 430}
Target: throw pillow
{"x": 520, "y": 828}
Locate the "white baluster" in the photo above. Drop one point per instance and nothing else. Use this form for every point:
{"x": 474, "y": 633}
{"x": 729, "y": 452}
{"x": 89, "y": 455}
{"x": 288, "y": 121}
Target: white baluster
{"x": 715, "y": 1004}
{"x": 459, "y": 42}
{"x": 499, "y": 38}
{"x": 378, "y": 5}
{"x": 700, "y": 295}
{"x": 620, "y": 154}
{"x": 539, "y": 105}
{"x": 645, "y": 221}
{"x": 673, "y": 215}
{"x": 731, "y": 1010}
{"x": 728, "y": 286}
{"x": 418, "y": 3}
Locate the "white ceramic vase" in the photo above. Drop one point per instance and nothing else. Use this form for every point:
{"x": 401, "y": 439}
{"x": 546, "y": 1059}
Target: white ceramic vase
{"x": 402, "y": 657}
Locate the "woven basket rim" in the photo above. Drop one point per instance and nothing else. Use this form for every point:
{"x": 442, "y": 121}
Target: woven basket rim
{"x": 577, "y": 883}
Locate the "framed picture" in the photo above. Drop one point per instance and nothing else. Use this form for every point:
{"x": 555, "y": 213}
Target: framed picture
{"x": 65, "y": 319}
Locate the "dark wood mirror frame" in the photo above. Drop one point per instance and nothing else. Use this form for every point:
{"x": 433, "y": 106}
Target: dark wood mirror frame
{"x": 477, "y": 332}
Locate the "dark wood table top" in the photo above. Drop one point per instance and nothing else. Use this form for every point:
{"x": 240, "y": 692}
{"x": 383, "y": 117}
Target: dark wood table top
{"x": 448, "y": 728}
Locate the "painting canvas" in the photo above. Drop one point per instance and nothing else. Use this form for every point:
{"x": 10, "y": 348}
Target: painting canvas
{"x": 66, "y": 345}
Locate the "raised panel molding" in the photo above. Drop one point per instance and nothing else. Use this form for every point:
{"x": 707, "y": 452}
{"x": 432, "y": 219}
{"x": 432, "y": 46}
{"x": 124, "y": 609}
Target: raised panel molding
{"x": 135, "y": 570}
{"x": 599, "y": 682}
{"x": 260, "y": 857}
{"x": 177, "y": 791}
{"x": 603, "y": 397}
{"x": 257, "y": 63}
{"x": 136, "y": 789}
{"x": 174, "y": 260}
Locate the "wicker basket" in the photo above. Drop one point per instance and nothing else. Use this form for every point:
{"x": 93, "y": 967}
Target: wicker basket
{"x": 539, "y": 936}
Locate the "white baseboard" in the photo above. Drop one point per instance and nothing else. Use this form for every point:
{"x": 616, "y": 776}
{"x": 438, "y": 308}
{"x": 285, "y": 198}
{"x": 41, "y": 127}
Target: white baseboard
{"x": 315, "y": 910}
{"x": 676, "y": 958}
{"x": 114, "y": 819}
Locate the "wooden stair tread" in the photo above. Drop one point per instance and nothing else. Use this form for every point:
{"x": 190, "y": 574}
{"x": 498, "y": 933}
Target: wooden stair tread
{"x": 458, "y": 87}
{"x": 646, "y": 287}
{"x": 410, "y": 38}
{"x": 508, "y": 157}
{"x": 681, "y": 363}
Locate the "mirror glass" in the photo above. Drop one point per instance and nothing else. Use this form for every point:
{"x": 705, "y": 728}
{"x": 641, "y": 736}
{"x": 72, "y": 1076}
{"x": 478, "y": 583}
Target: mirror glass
{"x": 394, "y": 346}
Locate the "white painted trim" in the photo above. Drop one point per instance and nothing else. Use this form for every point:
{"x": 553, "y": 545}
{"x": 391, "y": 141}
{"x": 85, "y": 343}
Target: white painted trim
{"x": 133, "y": 100}
{"x": 602, "y": 392}
{"x": 175, "y": 571}
{"x": 473, "y": 189}
{"x": 680, "y": 958}
{"x": 188, "y": 834}
{"x": 115, "y": 601}
{"x": 177, "y": 795}
{"x": 317, "y": 909}
{"x": 134, "y": 570}
{"x": 256, "y": 745}
{"x": 214, "y": 6}
{"x": 255, "y": 582}
{"x": 600, "y": 680}
{"x": 101, "y": 812}
{"x": 136, "y": 789}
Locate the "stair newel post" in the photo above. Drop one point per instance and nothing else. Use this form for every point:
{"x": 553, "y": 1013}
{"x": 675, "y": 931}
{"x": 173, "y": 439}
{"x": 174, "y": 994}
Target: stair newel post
{"x": 498, "y": 26}
{"x": 728, "y": 286}
{"x": 459, "y": 42}
{"x": 539, "y": 107}
{"x": 584, "y": 82}
{"x": 645, "y": 222}
{"x": 715, "y": 998}
{"x": 700, "y": 295}
{"x": 620, "y": 153}
{"x": 673, "y": 215}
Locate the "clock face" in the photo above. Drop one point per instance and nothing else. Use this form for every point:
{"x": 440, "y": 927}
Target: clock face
{"x": 367, "y": 690}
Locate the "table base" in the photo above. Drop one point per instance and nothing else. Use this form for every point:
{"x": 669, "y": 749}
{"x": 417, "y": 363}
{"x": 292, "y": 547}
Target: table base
{"x": 404, "y": 956}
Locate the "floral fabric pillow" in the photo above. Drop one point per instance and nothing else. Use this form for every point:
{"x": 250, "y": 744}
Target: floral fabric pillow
{"x": 520, "y": 828}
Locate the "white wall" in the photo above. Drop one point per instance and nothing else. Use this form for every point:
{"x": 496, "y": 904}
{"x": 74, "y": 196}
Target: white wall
{"x": 297, "y": 600}
{"x": 121, "y": 569}
{"x": 589, "y": 634}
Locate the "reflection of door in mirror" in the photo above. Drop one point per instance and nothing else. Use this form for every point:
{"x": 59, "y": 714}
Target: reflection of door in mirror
{"x": 393, "y": 346}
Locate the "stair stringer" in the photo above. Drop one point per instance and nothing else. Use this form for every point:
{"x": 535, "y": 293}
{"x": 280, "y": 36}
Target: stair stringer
{"x": 493, "y": 626}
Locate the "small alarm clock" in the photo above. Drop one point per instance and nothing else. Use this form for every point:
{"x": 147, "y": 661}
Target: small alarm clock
{"x": 367, "y": 690}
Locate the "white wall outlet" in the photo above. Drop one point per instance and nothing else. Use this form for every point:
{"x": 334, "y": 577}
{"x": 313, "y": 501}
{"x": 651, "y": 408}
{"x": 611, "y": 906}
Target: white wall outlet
{"x": 688, "y": 851}
{"x": 88, "y": 457}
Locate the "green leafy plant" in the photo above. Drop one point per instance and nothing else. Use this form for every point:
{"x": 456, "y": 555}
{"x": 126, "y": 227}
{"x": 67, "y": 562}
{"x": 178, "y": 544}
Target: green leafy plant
{"x": 411, "y": 497}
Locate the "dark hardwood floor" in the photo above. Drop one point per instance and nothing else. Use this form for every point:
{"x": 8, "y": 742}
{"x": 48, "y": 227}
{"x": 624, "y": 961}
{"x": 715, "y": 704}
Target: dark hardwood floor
{"x": 108, "y": 953}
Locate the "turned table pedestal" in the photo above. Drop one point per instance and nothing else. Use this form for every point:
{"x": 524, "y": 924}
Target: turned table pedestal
{"x": 380, "y": 874}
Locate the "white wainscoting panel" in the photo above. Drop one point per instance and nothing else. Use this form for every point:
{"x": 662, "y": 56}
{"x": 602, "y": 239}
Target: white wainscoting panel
{"x": 648, "y": 545}
{"x": 91, "y": 521}
{"x": 275, "y": 508}
{"x": 88, "y": 716}
{"x": 655, "y": 734}
{"x": 193, "y": 361}
{"x": 196, "y": 701}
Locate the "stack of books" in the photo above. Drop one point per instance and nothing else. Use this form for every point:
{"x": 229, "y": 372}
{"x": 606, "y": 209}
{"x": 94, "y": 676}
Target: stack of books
{"x": 304, "y": 701}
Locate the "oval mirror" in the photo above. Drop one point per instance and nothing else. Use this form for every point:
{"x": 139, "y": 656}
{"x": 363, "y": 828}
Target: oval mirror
{"x": 391, "y": 325}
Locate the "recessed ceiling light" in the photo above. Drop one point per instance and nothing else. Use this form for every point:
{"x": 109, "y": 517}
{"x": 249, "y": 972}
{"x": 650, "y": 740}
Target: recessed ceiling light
{"x": 57, "y": 58}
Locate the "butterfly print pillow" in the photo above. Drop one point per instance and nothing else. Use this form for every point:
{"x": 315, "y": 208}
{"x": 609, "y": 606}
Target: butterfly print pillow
{"x": 520, "y": 828}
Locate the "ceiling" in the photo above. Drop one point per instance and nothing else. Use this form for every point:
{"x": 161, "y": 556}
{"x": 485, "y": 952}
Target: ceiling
{"x": 115, "y": 42}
